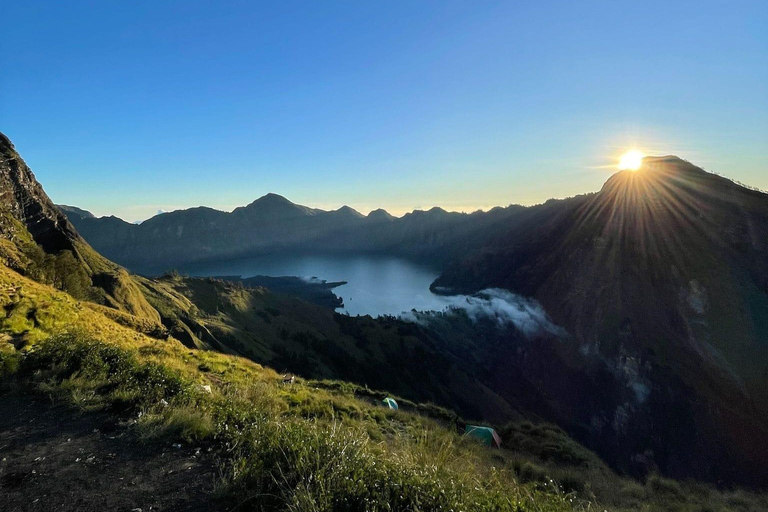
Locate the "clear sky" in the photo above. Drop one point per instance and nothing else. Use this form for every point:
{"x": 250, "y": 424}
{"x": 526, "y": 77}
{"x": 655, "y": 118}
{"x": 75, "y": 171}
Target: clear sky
{"x": 129, "y": 107}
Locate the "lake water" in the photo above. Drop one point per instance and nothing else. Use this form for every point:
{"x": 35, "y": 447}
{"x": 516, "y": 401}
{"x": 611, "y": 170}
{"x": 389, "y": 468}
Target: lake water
{"x": 375, "y": 285}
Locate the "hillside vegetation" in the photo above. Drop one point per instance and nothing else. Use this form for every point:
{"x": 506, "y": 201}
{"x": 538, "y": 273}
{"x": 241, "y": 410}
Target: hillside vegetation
{"x": 312, "y": 445}
{"x": 290, "y": 334}
{"x": 305, "y": 445}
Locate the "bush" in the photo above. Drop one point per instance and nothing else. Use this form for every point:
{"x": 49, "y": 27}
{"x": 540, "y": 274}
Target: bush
{"x": 9, "y": 362}
{"x": 530, "y": 472}
{"x": 62, "y": 270}
{"x": 113, "y": 373}
{"x": 571, "y": 481}
{"x": 633, "y": 492}
{"x": 665, "y": 487}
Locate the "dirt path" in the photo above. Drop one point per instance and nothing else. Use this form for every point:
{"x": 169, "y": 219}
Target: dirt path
{"x": 55, "y": 458}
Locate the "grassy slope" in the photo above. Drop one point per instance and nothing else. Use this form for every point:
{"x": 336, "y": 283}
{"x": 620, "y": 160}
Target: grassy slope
{"x": 293, "y": 335}
{"x": 121, "y": 290}
{"x": 313, "y": 445}
{"x": 248, "y": 409}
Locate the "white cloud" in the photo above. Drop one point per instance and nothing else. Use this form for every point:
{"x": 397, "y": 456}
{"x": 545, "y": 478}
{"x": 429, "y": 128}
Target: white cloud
{"x": 505, "y": 307}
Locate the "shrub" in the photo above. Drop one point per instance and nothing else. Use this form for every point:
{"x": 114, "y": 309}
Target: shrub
{"x": 111, "y": 372}
{"x": 633, "y": 492}
{"x": 670, "y": 489}
{"x": 571, "y": 481}
{"x": 9, "y": 362}
{"x": 62, "y": 270}
{"x": 530, "y": 472}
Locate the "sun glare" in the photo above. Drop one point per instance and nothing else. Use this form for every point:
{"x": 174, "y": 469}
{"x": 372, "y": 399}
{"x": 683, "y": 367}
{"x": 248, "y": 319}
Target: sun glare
{"x": 631, "y": 160}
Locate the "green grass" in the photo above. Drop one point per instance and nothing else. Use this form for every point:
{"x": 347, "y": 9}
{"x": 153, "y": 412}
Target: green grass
{"x": 292, "y": 448}
{"x": 79, "y": 270}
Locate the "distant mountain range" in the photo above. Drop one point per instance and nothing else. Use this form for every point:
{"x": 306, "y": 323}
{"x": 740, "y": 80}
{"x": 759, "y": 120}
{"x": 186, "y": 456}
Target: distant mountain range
{"x": 274, "y": 225}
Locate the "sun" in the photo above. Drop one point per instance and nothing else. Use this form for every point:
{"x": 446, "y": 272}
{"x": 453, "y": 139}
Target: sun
{"x": 631, "y": 160}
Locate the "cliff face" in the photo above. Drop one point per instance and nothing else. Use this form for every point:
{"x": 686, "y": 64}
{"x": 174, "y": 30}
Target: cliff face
{"x": 38, "y": 240}
{"x": 24, "y": 198}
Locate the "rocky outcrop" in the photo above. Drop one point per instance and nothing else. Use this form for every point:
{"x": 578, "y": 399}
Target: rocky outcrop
{"x": 23, "y": 197}
{"x": 30, "y": 222}
{"x": 74, "y": 211}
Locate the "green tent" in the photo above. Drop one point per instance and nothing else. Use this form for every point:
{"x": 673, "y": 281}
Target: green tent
{"x": 485, "y": 435}
{"x": 390, "y": 402}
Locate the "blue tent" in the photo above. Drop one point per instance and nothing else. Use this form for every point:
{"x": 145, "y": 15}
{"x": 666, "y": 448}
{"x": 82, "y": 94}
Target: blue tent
{"x": 390, "y": 403}
{"x": 485, "y": 435}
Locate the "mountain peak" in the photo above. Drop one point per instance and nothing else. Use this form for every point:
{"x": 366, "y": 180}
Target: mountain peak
{"x": 271, "y": 198}
{"x": 434, "y": 212}
{"x": 24, "y": 198}
{"x": 659, "y": 175}
{"x": 274, "y": 206}
{"x": 5, "y": 143}
{"x": 380, "y": 214}
{"x": 348, "y": 211}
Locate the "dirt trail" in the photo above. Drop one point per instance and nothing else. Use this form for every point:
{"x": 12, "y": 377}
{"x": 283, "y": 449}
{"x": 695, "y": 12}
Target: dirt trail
{"x": 55, "y": 458}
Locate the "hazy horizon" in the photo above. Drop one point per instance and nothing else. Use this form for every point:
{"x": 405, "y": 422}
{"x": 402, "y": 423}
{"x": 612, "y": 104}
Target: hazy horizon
{"x": 126, "y": 111}
{"x": 367, "y": 211}
{"x": 320, "y": 206}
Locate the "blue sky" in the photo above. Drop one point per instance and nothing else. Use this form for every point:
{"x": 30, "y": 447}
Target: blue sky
{"x": 129, "y": 107}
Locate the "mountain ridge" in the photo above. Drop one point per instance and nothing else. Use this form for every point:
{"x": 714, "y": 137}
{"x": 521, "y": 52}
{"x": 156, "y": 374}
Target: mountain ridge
{"x": 40, "y": 241}
{"x": 666, "y": 266}
{"x": 273, "y": 223}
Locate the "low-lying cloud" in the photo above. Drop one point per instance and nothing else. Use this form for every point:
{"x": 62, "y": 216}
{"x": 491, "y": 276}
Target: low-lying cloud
{"x": 502, "y": 306}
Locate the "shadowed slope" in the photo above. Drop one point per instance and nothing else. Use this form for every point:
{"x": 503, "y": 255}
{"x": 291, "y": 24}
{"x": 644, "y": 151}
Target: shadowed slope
{"x": 667, "y": 267}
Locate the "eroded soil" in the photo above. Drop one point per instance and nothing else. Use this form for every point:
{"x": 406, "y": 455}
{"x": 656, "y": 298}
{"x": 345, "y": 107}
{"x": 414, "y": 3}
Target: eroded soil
{"x": 56, "y": 458}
